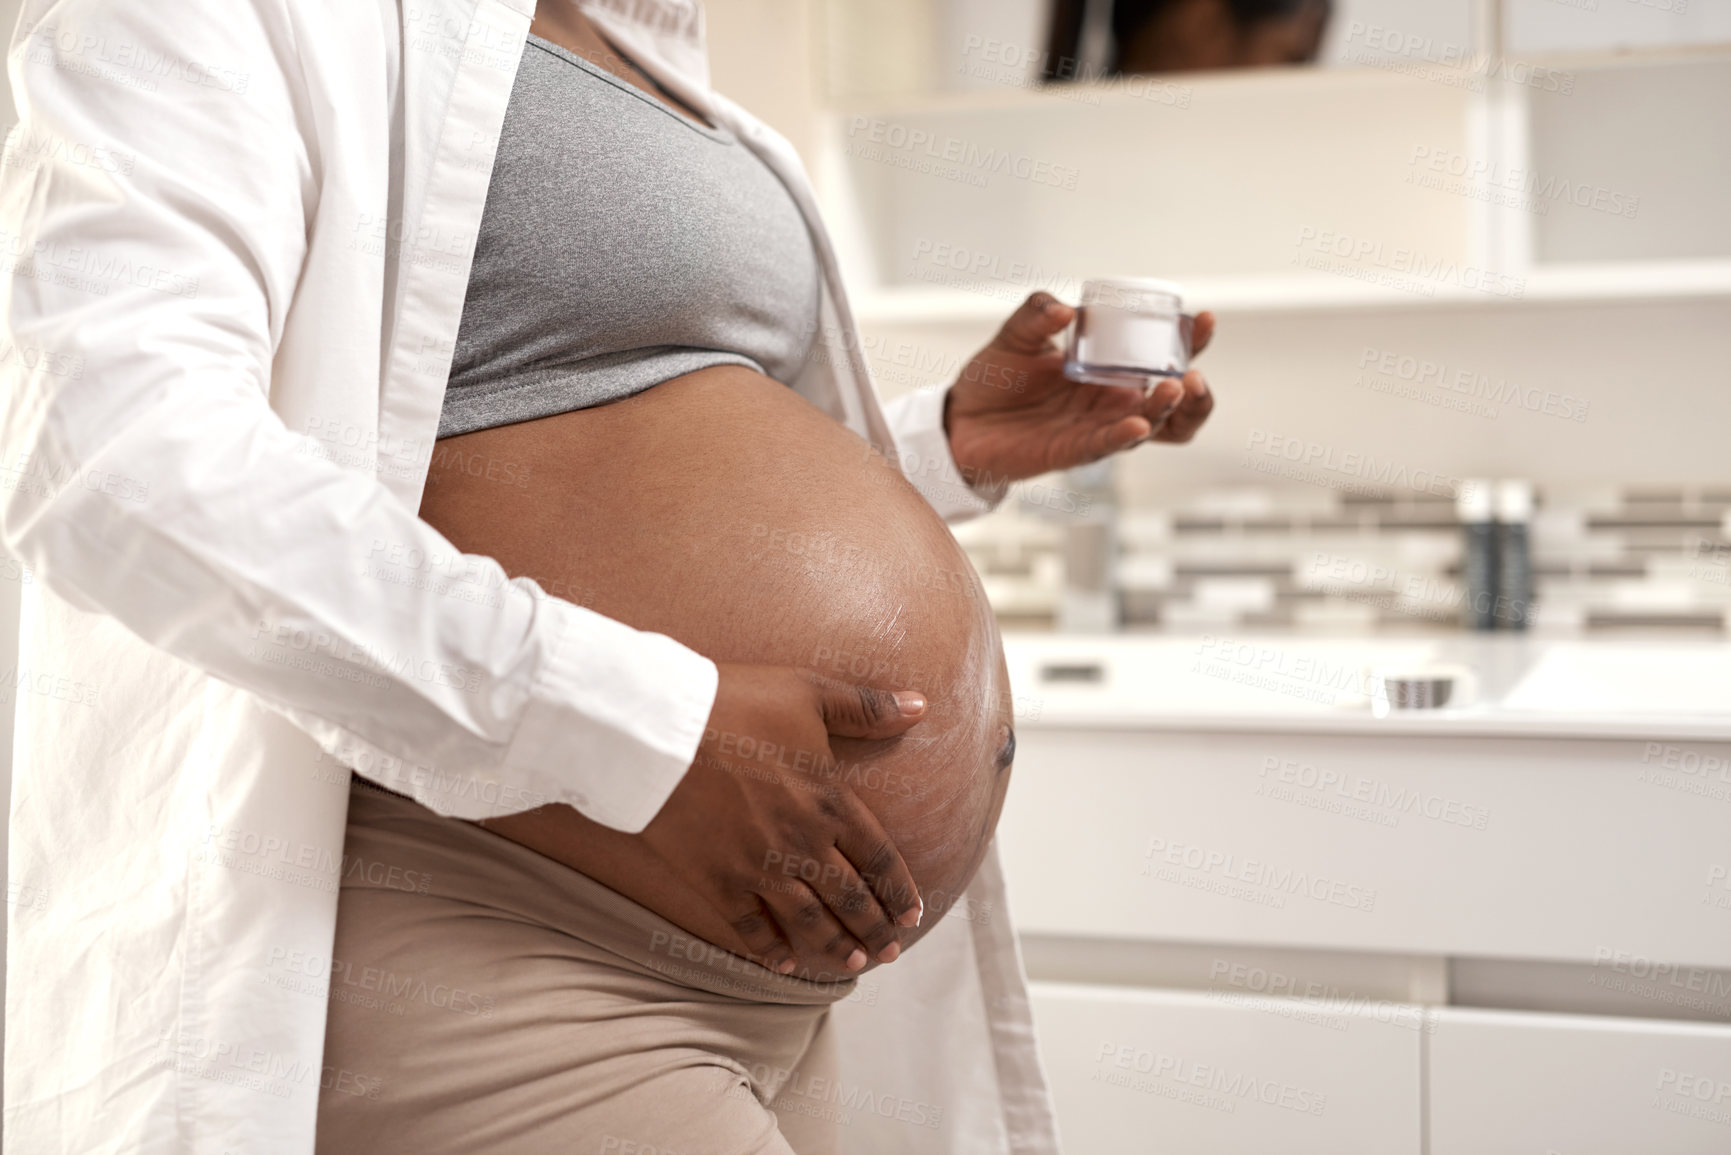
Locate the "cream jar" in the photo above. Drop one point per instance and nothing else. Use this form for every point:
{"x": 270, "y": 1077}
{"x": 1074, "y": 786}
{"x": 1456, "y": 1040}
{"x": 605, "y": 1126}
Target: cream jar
{"x": 1128, "y": 331}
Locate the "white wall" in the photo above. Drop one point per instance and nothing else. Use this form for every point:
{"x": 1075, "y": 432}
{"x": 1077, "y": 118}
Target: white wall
{"x": 1642, "y": 133}
{"x": 763, "y": 55}
{"x": 1361, "y": 30}
{"x": 1536, "y": 26}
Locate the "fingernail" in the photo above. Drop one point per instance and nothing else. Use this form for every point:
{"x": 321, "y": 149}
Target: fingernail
{"x": 910, "y": 702}
{"x": 857, "y": 959}
{"x": 889, "y": 953}
{"x": 911, "y": 916}
{"x": 786, "y": 965}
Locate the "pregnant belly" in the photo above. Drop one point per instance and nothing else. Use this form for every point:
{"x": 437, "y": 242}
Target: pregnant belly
{"x": 727, "y": 512}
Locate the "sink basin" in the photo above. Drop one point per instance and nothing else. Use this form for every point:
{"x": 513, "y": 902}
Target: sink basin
{"x": 1526, "y": 685}
{"x": 1206, "y": 674}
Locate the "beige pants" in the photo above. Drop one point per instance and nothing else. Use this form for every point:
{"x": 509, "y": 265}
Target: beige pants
{"x": 487, "y": 999}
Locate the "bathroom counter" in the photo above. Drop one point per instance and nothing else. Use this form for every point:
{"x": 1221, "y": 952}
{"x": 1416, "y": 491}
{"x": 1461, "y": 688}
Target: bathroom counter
{"x": 1527, "y": 686}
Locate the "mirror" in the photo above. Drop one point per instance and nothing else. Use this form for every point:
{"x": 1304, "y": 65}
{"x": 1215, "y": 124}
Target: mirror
{"x": 907, "y": 47}
{"x": 1137, "y": 37}
{"x": 876, "y": 48}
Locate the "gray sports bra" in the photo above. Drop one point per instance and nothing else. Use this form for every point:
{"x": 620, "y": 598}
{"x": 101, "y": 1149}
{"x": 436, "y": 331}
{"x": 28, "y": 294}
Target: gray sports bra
{"x": 622, "y": 245}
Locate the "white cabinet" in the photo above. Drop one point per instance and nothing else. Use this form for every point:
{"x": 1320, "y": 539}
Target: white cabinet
{"x": 1137, "y": 1070}
{"x": 1510, "y": 848}
{"x": 1300, "y": 856}
{"x": 1173, "y": 1072}
{"x": 1516, "y": 1084}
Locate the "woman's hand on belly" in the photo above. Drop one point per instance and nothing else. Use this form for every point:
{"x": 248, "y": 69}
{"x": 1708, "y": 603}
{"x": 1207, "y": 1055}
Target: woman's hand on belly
{"x": 756, "y": 799}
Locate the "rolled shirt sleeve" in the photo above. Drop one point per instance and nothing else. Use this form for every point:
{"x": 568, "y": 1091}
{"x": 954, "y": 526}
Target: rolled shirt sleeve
{"x": 657, "y": 694}
{"x": 917, "y": 421}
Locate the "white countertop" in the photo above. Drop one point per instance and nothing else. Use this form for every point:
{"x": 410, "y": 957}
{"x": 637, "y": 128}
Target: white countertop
{"x": 1527, "y": 686}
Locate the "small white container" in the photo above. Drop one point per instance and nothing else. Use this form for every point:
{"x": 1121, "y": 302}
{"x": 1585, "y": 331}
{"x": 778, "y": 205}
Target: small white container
{"x": 1129, "y": 331}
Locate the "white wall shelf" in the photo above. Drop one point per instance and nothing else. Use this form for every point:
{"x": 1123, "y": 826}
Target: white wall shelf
{"x": 1303, "y": 293}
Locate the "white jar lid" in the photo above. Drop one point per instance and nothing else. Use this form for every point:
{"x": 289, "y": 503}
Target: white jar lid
{"x": 1475, "y": 501}
{"x": 1514, "y": 501}
{"x": 1143, "y": 284}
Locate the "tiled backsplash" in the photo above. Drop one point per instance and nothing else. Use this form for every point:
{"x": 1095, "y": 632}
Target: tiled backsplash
{"x": 1325, "y": 561}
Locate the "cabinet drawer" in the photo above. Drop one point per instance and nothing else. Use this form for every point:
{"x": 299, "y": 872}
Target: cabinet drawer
{"x": 1146, "y": 1070}
{"x": 1403, "y": 844}
{"x": 1503, "y": 1083}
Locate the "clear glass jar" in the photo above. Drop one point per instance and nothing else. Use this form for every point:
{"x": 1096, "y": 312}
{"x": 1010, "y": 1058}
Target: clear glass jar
{"x": 1128, "y": 331}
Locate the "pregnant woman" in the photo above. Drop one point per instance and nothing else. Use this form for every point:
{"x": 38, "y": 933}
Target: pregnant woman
{"x": 642, "y": 287}
{"x": 651, "y": 343}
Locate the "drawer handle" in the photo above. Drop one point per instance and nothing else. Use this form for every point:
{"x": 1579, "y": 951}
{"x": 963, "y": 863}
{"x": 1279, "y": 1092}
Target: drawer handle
{"x": 1089, "y": 673}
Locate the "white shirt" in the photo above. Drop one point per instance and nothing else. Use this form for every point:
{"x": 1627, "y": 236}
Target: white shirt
{"x": 238, "y": 235}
